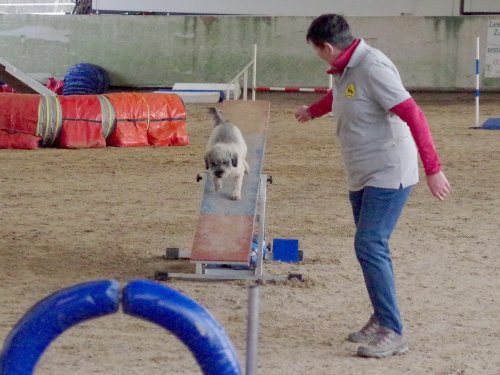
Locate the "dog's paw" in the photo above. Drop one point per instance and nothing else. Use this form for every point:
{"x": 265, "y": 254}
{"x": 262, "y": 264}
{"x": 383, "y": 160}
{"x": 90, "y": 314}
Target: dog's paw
{"x": 235, "y": 196}
{"x": 217, "y": 184}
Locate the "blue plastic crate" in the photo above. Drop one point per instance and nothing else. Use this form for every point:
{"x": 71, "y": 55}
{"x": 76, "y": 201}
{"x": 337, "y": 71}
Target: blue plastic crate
{"x": 286, "y": 250}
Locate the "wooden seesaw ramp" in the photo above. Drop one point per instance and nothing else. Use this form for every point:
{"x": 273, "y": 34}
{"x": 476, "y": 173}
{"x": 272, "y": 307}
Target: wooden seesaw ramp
{"x": 222, "y": 244}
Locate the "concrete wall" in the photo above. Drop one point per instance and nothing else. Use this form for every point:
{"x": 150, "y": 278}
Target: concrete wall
{"x": 430, "y": 52}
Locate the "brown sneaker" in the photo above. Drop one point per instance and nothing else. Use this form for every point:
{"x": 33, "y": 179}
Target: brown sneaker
{"x": 385, "y": 343}
{"x": 367, "y": 333}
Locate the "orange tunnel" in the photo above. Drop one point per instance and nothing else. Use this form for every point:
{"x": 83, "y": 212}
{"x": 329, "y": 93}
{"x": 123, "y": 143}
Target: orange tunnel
{"x": 28, "y": 121}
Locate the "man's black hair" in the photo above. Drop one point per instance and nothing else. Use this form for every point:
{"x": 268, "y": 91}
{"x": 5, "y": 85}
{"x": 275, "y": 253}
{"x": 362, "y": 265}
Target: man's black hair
{"x": 330, "y": 28}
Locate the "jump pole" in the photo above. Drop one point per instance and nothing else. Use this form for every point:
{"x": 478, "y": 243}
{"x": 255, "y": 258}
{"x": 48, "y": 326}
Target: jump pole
{"x": 477, "y": 81}
{"x": 252, "y": 330}
{"x": 320, "y": 90}
{"x": 492, "y": 123}
{"x": 290, "y": 89}
{"x": 254, "y": 71}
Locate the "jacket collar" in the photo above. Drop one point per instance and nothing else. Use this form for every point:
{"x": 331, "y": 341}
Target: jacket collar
{"x": 358, "y": 54}
{"x": 348, "y": 58}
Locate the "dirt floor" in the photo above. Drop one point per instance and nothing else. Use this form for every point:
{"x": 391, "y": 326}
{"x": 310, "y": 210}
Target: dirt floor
{"x": 69, "y": 216}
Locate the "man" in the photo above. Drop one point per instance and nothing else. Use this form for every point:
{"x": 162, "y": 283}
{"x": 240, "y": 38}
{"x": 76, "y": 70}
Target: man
{"x": 378, "y": 125}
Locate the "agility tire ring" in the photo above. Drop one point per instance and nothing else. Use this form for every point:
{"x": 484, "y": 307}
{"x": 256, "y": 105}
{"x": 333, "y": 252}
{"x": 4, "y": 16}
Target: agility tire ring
{"x": 187, "y": 320}
{"x": 150, "y": 301}
{"x": 50, "y": 317}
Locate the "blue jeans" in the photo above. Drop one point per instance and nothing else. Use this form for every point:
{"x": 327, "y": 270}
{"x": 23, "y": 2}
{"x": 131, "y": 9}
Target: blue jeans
{"x": 376, "y": 212}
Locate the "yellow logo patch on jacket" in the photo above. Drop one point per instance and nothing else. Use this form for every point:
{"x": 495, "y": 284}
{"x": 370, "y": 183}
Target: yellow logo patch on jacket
{"x": 350, "y": 91}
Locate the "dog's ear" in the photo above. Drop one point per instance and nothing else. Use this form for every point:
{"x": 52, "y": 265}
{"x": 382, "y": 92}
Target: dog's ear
{"x": 234, "y": 160}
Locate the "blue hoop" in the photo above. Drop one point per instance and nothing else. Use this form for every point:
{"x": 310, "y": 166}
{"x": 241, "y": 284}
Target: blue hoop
{"x": 144, "y": 299}
{"x": 50, "y": 317}
{"x": 187, "y": 320}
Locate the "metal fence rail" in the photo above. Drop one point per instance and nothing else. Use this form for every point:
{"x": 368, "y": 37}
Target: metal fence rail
{"x": 244, "y": 75}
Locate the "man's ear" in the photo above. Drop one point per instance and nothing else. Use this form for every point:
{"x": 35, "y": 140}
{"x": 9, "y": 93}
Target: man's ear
{"x": 330, "y": 49}
{"x": 328, "y": 46}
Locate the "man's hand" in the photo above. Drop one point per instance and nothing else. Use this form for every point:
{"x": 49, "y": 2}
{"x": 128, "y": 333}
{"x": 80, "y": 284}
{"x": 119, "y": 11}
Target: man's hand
{"x": 438, "y": 185}
{"x": 302, "y": 114}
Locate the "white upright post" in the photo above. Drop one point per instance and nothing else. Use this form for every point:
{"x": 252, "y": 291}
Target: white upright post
{"x": 245, "y": 84}
{"x": 254, "y": 72}
{"x": 477, "y": 81}
{"x": 330, "y": 86}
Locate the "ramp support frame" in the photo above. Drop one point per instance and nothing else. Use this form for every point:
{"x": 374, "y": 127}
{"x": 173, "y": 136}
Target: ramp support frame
{"x": 206, "y": 271}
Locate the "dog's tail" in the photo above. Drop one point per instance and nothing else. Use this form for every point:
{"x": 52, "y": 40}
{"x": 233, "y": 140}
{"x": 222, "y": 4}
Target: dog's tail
{"x": 217, "y": 115}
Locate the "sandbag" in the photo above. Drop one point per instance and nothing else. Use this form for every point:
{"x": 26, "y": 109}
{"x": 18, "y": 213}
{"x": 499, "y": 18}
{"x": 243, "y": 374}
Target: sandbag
{"x": 19, "y": 112}
{"x": 19, "y": 121}
{"x": 18, "y": 141}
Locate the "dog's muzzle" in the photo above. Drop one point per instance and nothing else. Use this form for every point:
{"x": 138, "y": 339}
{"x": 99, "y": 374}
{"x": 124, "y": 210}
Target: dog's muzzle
{"x": 218, "y": 173}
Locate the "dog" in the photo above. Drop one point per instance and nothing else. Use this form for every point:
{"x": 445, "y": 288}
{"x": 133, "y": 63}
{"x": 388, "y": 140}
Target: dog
{"x": 225, "y": 155}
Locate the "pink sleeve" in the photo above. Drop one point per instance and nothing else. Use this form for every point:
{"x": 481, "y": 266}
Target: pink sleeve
{"x": 410, "y": 112}
{"x": 322, "y": 106}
